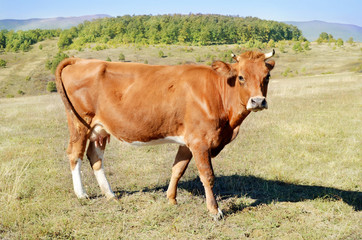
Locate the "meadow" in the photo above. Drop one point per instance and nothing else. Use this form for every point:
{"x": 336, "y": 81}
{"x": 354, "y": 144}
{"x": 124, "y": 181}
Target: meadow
{"x": 294, "y": 171}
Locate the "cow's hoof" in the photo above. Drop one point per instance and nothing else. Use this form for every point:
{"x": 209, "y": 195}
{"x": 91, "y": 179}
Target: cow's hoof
{"x": 82, "y": 196}
{"x": 111, "y": 197}
{"x": 172, "y": 201}
{"x": 219, "y": 216}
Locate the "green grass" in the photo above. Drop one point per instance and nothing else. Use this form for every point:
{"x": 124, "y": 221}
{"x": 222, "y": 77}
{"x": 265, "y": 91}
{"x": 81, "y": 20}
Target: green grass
{"x": 294, "y": 171}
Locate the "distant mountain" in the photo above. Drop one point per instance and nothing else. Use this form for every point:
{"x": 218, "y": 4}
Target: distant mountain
{"x": 312, "y": 29}
{"x": 47, "y": 23}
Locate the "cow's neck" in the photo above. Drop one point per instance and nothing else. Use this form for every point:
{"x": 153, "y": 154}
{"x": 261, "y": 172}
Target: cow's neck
{"x": 233, "y": 105}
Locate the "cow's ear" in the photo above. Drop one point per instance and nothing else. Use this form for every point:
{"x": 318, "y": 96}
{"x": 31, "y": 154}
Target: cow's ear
{"x": 270, "y": 64}
{"x": 224, "y": 69}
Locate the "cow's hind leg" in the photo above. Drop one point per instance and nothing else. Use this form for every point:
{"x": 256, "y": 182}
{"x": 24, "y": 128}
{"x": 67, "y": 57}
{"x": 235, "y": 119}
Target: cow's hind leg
{"x": 182, "y": 160}
{"x": 95, "y": 154}
{"x": 75, "y": 151}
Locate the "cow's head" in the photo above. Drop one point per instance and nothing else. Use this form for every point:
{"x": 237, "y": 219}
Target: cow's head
{"x": 249, "y": 76}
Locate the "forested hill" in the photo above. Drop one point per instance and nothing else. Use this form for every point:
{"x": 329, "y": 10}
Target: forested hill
{"x": 172, "y": 29}
{"x": 161, "y": 29}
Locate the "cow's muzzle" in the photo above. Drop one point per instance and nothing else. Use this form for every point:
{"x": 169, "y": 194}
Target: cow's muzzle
{"x": 257, "y": 104}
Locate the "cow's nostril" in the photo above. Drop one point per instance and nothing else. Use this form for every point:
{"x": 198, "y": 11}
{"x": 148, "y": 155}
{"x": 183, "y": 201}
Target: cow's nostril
{"x": 263, "y": 103}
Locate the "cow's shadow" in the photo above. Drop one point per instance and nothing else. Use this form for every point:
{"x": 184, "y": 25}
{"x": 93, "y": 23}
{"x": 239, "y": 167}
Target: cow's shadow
{"x": 264, "y": 191}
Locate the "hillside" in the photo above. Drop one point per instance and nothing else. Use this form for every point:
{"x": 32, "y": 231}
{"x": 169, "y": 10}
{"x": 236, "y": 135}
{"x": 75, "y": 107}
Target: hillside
{"x": 312, "y": 29}
{"x": 26, "y": 73}
{"x": 47, "y": 23}
{"x": 194, "y": 29}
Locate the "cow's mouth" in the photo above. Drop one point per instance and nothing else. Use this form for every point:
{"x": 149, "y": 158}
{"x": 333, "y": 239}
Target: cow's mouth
{"x": 256, "y": 109}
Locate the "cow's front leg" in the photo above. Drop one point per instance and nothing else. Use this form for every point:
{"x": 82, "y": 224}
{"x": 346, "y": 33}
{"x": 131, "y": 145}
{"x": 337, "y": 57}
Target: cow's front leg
{"x": 182, "y": 160}
{"x": 203, "y": 163}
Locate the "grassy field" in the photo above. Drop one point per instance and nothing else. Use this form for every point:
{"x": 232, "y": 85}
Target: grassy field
{"x": 294, "y": 171}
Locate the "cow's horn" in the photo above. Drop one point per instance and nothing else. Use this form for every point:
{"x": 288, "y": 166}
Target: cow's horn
{"x": 269, "y": 55}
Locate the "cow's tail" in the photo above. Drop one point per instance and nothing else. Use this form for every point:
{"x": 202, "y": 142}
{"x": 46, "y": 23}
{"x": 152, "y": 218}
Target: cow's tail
{"x": 63, "y": 93}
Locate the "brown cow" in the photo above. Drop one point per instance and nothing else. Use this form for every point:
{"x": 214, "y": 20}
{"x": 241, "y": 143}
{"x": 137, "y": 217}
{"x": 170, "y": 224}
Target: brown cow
{"x": 199, "y": 107}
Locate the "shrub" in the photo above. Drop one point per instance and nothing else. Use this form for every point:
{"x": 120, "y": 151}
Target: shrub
{"x": 109, "y": 59}
{"x": 306, "y": 46}
{"x": 271, "y": 43}
{"x": 51, "y": 87}
{"x": 226, "y": 56}
{"x": 2, "y": 63}
{"x": 100, "y": 47}
{"x": 297, "y": 47}
{"x": 282, "y": 49}
{"x": 121, "y": 57}
{"x": 286, "y": 72}
{"x": 52, "y": 64}
{"x": 161, "y": 54}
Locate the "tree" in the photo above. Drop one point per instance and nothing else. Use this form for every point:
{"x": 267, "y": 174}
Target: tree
{"x": 339, "y": 42}
{"x": 324, "y": 36}
{"x": 188, "y": 29}
{"x": 350, "y": 40}
{"x": 66, "y": 38}
{"x": 22, "y": 40}
{"x": 52, "y": 64}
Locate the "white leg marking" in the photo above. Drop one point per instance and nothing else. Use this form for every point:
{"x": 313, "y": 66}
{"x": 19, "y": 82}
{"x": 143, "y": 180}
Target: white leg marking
{"x": 103, "y": 183}
{"x": 101, "y": 177}
{"x": 219, "y": 215}
{"x": 77, "y": 181}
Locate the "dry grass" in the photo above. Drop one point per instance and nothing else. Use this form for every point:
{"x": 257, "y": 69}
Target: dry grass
{"x": 25, "y": 73}
{"x": 294, "y": 172}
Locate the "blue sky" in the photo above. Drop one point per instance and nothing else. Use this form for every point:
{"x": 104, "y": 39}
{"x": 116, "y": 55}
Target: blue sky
{"x": 339, "y": 11}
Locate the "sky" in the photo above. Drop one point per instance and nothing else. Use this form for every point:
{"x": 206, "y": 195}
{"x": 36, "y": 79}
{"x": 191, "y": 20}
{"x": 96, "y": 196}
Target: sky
{"x": 336, "y": 11}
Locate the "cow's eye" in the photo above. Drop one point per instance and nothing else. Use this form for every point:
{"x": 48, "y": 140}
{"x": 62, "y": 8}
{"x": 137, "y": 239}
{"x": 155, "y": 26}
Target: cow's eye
{"x": 241, "y": 79}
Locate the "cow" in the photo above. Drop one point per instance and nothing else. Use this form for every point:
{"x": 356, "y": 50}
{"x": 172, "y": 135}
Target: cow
{"x": 198, "y": 107}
